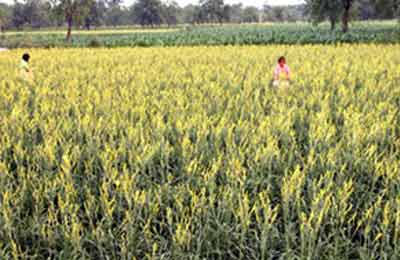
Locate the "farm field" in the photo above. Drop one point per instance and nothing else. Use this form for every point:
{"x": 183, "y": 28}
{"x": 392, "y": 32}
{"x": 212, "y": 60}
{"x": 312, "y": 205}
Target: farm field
{"x": 188, "y": 152}
{"x": 101, "y": 31}
{"x": 199, "y": 35}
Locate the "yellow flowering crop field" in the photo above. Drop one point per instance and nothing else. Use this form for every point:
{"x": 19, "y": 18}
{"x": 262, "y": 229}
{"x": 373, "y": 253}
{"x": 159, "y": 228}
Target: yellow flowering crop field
{"x": 189, "y": 153}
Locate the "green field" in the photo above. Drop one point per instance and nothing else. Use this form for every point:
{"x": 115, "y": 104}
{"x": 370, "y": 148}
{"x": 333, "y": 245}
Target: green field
{"x": 100, "y": 31}
{"x": 289, "y": 33}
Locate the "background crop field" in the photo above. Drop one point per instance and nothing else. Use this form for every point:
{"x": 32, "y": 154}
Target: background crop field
{"x": 246, "y": 34}
{"x": 100, "y": 31}
{"x": 189, "y": 153}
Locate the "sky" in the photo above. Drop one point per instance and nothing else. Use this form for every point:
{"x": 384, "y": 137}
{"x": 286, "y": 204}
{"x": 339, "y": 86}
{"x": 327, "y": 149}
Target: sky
{"x": 258, "y": 3}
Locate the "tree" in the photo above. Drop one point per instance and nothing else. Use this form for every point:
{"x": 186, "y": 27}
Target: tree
{"x": 250, "y": 15}
{"x": 18, "y": 18}
{"x": 319, "y": 10}
{"x": 347, "y": 4}
{"x": 385, "y": 9}
{"x": 5, "y": 14}
{"x": 213, "y": 10}
{"x": 170, "y": 13}
{"x": 365, "y": 9}
{"x": 236, "y": 13}
{"x": 96, "y": 15}
{"x": 74, "y": 11}
{"x": 36, "y": 13}
{"x": 200, "y": 15}
{"x": 278, "y": 13}
{"x": 396, "y": 8}
{"x": 147, "y": 12}
{"x": 274, "y": 13}
{"x": 226, "y": 14}
{"x": 331, "y": 9}
{"x": 115, "y": 14}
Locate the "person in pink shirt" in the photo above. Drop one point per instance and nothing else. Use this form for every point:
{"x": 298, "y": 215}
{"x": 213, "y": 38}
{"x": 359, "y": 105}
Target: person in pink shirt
{"x": 281, "y": 72}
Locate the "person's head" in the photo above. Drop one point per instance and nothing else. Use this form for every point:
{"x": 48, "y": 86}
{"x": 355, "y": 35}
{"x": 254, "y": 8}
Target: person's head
{"x": 282, "y": 61}
{"x": 26, "y": 57}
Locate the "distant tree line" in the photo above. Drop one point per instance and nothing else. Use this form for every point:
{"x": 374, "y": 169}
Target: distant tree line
{"x": 343, "y": 10}
{"x": 97, "y": 13}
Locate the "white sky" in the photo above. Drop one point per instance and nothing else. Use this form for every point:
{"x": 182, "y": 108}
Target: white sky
{"x": 258, "y": 3}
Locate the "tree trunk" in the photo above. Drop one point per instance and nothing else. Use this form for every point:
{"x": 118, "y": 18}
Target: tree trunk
{"x": 333, "y": 24}
{"x": 220, "y": 20}
{"x": 69, "y": 24}
{"x": 87, "y": 25}
{"x": 346, "y": 15}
